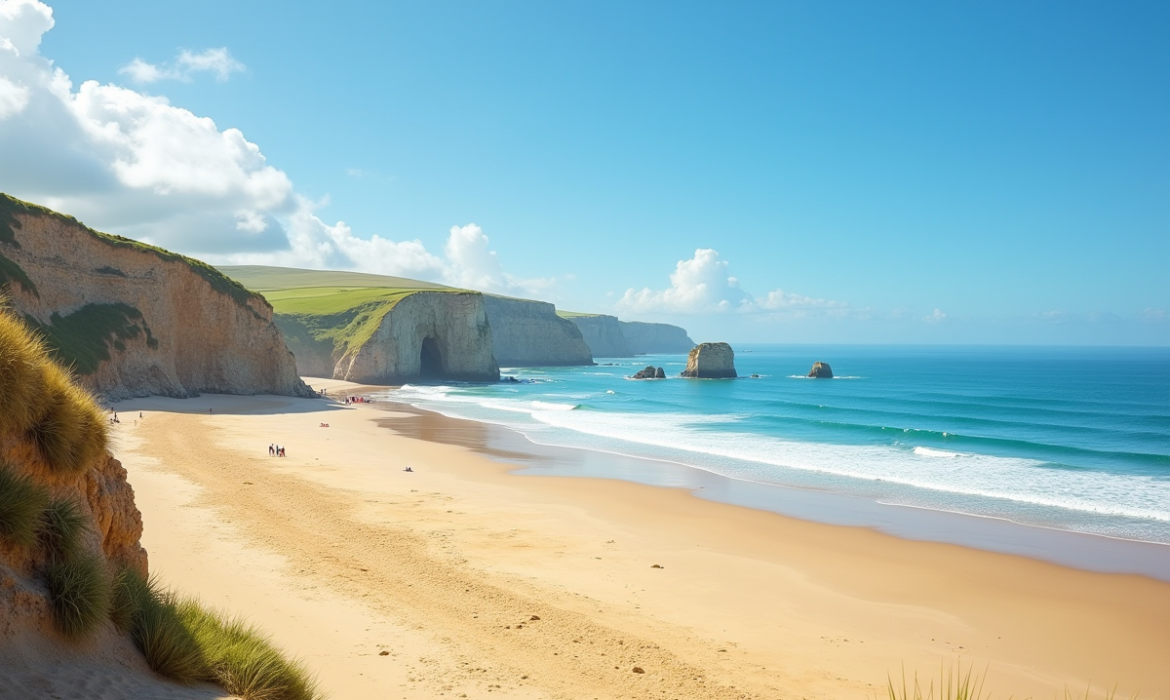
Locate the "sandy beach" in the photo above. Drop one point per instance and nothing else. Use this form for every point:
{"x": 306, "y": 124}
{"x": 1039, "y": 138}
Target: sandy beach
{"x": 460, "y": 579}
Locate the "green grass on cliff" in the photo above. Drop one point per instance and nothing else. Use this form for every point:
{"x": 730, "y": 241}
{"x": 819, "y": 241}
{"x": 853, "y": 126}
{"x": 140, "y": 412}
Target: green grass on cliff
{"x": 264, "y": 278}
{"x": 83, "y": 338}
{"x": 335, "y": 318}
{"x": 575, "y": 314}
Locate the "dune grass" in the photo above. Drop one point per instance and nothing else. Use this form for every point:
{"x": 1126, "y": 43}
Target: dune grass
{"x": 62, "y": 525}
{"x": 954, "y": 683}
{"x": 22, "y": 358}
{"x": 22, "y": 504}
{"x": 187, "y": 643}
{"x": 70, "y": 432}
{"x": 79, "y": 594}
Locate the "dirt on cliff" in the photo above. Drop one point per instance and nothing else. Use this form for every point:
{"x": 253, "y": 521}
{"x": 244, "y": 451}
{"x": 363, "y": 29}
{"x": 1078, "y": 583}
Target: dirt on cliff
{"x": 135, "y": 320}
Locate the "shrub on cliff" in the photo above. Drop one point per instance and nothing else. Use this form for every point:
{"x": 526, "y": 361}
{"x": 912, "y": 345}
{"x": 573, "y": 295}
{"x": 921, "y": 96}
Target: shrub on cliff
{"x": 22, "y": 359}
{"x": 61, "y": 528}
{"x": 21, "y": 504}
{"x": 69, "y": 430}
{"x": 79, "y": 594}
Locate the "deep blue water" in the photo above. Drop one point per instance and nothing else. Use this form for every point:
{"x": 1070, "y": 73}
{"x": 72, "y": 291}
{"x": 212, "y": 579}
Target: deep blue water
{"x": 1072, "y": 438}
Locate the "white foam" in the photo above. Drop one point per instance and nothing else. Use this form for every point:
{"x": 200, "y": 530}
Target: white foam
{"x": 931, "y": 452}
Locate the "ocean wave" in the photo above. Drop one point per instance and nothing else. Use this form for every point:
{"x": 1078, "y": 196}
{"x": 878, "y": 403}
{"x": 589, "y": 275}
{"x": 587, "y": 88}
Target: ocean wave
{"x": 929, "y": 452}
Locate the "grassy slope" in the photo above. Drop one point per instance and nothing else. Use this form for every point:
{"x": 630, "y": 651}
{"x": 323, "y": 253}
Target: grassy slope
{"x": 262, "y": 278}
{"x": 576, "y": 314}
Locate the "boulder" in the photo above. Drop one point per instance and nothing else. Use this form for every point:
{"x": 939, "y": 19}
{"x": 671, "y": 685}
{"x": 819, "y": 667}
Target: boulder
{"x": 711, "y": 361}
{"x": 821, "y": 370}
{"x": 650, "y": 373}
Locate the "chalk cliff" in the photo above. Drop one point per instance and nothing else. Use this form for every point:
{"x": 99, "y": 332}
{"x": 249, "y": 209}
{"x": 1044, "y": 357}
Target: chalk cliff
{"x": 649, "y": 338}
{"x": 135, "y": 320}
{"x": 711, "y": 361}
{"x": 424, "y": 335}
{"x": 530, "y": 334}
{"x": 603, "y": 334}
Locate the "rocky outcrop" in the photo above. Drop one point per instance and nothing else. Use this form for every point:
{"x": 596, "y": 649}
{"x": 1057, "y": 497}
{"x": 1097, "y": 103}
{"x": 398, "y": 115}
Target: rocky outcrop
{"x": 711, "y": 361}
{"x": 821, "y": 370}
{"x": 652, "y": 338}
{"x": 425, "y": 335}
{"x": 530, "y": 334}
{"x": 651, "y": 372}
{"x": 603, "y": 334}
{"x": 135, "y": 320}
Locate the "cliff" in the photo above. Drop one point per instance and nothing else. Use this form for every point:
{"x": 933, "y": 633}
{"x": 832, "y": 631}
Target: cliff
{"x": 650, "y": 338}
{"x": 531, "y": 334}
{"x": 388, "y": 336}
{"x": 603, "y": 334}
{"x": 711, "y": 361}
{"x": 135, "y": 320}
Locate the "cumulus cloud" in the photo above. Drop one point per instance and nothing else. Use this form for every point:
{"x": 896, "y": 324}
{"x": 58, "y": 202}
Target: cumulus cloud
{"x": 136, "y": 165}
{"x": 936, "y": 316}
{"x": 702, "y": 285}
{"x": 218, "y": 62}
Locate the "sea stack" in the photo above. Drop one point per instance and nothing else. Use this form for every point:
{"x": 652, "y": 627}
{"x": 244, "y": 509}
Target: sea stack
{"x": 821, "y": 370}
{"x": 711, "y": 361}
{"x": 651, "y": 372}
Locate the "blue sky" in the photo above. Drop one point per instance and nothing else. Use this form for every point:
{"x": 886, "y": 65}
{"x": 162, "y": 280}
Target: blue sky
{"x": 896, "y": 172}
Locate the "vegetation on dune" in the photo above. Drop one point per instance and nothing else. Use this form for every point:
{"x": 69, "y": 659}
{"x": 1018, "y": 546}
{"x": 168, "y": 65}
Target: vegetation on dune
{"x": 957, "y": 683}
{"x": 62, "y": 526}
{"x": 83, "y": 338}
{"x": 187, "y": 643}
{"x": 22, "y": 503}
{"x": 70, "y": 432}
{"x": 22, "y": 360}
{"x": 79, "y": 594}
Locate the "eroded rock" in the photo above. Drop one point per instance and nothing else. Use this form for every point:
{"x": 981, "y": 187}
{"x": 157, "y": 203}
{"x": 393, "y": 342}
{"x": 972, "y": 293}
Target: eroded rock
{"x": 821, "y": 370}
{"x": 711, "y": 361}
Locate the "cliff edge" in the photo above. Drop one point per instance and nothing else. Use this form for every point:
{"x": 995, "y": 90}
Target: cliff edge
{"x": 530, "y": 334}
{"x": 136, "y": 320}
{"x": 602, "y": 333}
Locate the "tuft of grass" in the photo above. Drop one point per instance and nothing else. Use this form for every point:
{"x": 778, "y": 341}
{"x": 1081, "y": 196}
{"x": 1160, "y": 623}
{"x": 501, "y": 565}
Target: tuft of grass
{"x": 70, "y": 433}
{"x": 187, "y": 643}
{"x": 953, "y": 684}
{"x": 62, "y": 525}
{"x": 22, "y": 503}
{"x": 79, "y": 594}
{"x": 158, "y": 630}
{"x": 243, "y": 661}
{"x": 22, "y": 357}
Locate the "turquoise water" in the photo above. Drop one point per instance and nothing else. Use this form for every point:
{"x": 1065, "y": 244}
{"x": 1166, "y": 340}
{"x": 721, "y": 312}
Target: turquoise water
{"x": 1069, "y": 438}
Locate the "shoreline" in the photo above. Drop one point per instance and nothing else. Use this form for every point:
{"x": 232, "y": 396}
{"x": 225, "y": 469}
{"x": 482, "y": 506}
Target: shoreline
{"x": 1082, "y": 550}
{"x": 340, "y": 555}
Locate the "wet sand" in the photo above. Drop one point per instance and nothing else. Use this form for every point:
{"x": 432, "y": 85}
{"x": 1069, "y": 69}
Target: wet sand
{"x": 342, "y": 556}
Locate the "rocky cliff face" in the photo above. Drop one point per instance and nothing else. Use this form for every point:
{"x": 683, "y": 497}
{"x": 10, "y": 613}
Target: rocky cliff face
{"x": 136, "y": 320}
{"x": 650, "y": 338}
{"x": 530, "y": 334}
{"x": 603, "y": 334}
{"x": 426, "y": 335}
{"x": 711, "y": 361}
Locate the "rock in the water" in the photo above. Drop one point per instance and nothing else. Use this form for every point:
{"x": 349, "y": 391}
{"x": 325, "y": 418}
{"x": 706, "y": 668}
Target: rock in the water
{"x": 651, "y": 372}
{"x": 821, "y": 370}
{"x": 711, "y": 361}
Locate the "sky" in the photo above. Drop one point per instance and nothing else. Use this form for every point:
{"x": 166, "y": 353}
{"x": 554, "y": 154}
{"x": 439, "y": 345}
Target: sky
{"x": 756, "y": 172}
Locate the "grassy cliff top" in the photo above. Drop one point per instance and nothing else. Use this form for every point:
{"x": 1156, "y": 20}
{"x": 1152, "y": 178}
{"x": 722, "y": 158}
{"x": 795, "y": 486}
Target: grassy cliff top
{"x": 576, "y": 314}
{"x": 263, "y": 278}
{"x": 346, "y": 317}
{"x": 10, "y": 206}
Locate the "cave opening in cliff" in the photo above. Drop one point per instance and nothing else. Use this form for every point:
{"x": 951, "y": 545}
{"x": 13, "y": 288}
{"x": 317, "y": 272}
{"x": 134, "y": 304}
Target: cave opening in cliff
{"x": 430, "y": 360}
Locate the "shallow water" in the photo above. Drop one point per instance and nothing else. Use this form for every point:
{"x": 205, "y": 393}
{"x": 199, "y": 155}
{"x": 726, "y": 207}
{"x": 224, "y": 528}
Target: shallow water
{"x": 1067, "y": 438}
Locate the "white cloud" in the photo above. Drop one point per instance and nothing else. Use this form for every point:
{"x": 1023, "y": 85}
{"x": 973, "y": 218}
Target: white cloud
{"x": 702, "y": 285}
{"x": 936, "y": 316}
{"x": 218, "y": 62}
{"x": 13, "y": 97}
{"x": 139, "y": 166}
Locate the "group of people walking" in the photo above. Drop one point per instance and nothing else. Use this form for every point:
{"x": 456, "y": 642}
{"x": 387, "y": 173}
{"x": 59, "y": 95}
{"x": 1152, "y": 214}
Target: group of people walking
{"x": 275, "y": 450}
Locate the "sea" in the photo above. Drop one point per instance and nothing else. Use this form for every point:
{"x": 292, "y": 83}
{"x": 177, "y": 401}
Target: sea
{"x": 1073, "y": 439}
